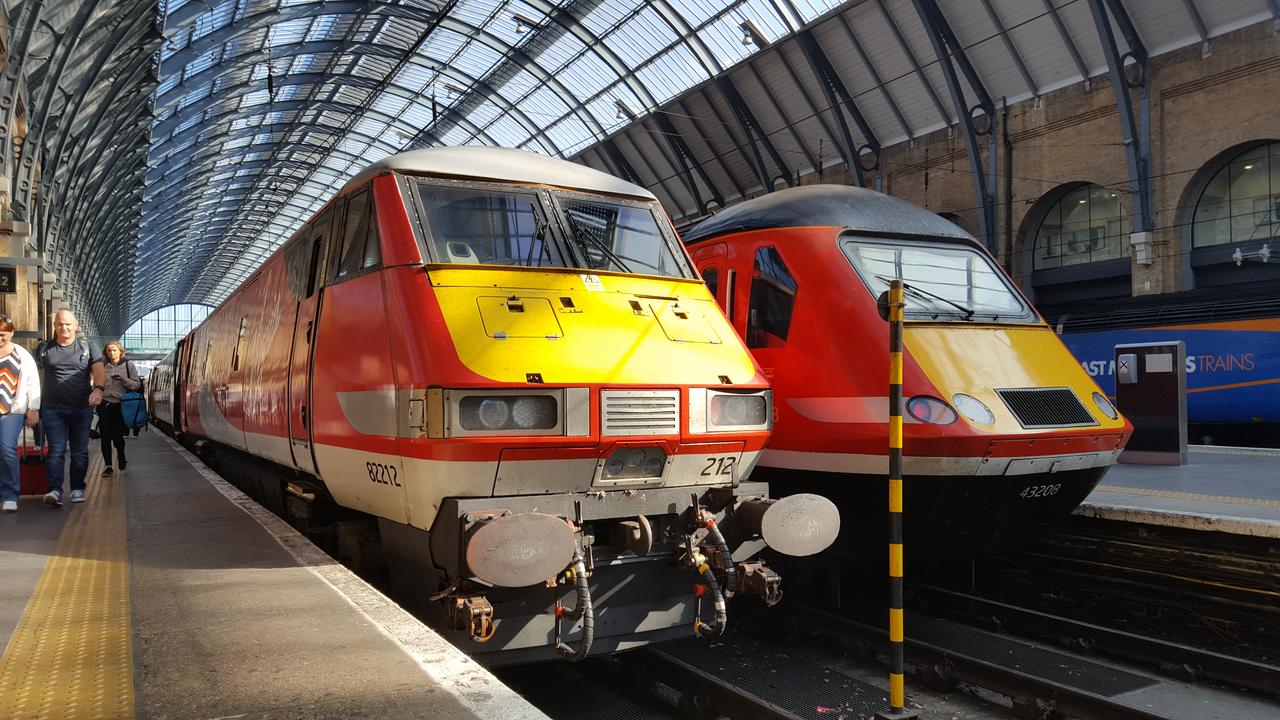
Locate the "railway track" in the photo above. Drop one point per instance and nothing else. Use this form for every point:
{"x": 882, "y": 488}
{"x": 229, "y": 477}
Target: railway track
{"x": 1212, "y": 590}
{"x": 1208, "y": 591}
{"x": 1176, "y": 659}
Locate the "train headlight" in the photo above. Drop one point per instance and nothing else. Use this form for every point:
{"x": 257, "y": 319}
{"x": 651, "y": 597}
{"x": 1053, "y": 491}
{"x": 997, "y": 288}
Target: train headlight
{"x": 1105, "y": 406}
{"x": 497, "y": 413}
{"x": 712, "y": 411}
{"x": 930, "y": 410}
{"x": 490, "y": 414}
{"x": 538, "y": 411}
{"x": 973, "y": 409}
{"x": 736, "y": 410}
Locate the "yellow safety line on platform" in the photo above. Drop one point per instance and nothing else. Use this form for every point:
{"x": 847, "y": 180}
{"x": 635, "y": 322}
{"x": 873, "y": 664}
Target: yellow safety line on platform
{"x": 1242, "y": 451}
{"x": 1225, "y": 499}
{"x": 71, "y": 654}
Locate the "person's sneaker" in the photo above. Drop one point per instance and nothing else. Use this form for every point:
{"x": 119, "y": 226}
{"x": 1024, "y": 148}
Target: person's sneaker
{"x": 77, "y": 496}
{"x": 9, "y": 506}
{"x": 108, "y": 471}
{"x": 123, "y": 462}
{"x": 53, "y": 498}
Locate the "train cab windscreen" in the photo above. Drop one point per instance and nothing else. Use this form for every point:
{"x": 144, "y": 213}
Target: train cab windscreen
{"x": 944, "y": 282}
{"x": 487, "y": 226}
{"x": 529, "y": 227}
{"x": 621, "y": 237}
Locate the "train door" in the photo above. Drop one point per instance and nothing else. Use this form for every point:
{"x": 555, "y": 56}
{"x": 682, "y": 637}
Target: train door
{"x": 185, "y": 385}
{"x": 306, "y": 262}
{"x": 176, "y": 379}
{"x": 234, "y": 396}
{"x": 712, "y": 262}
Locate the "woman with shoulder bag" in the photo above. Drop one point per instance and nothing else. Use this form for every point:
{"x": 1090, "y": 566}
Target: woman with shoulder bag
{"x": 122, "y": 377}
{"x": 19, "y": 407}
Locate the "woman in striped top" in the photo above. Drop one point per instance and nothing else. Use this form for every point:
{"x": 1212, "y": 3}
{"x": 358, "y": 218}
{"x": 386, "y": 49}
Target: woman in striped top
{"x": 19, "y": 406}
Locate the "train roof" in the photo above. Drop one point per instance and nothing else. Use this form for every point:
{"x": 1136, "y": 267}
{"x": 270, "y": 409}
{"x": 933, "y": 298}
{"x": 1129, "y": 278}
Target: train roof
{"x": 501, "y": 165}
{"x": 826, "y": 206}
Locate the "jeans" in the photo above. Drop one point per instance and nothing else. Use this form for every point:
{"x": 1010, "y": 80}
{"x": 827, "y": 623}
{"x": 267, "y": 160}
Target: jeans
{"x": 60, "y": 426}
{"x": 10, "y": 433}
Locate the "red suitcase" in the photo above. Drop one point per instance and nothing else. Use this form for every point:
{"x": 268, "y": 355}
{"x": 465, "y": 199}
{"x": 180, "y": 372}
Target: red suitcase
{"x": 32, "y": 479}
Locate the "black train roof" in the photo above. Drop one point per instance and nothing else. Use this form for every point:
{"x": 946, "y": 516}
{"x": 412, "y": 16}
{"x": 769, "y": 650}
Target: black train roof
{"x": 856, "y": 208}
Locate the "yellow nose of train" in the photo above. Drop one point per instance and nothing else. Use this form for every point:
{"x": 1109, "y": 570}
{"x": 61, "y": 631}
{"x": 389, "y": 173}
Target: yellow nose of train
{"x": 566, "y": 327}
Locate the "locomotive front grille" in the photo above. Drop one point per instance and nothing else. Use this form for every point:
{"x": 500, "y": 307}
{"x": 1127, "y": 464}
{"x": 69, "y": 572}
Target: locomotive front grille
{"x": 1046, "y": 407}
{"x": 640, "y": 412}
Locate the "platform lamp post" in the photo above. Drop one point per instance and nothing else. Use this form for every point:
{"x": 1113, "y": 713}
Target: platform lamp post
{"x": 891, "y": 307}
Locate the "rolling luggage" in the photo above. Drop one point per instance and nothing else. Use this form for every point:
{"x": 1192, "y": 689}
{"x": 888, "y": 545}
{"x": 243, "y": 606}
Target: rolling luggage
{"x": 32, "y": 479}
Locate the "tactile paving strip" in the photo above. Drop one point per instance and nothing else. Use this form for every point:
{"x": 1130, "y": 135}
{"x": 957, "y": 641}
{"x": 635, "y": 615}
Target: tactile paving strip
{"x": 1223, "y": 499}
{"x": 71, "y": 654}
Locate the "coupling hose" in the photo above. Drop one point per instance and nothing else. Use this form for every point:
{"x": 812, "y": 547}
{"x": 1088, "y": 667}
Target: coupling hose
{"x": 581, "y": 610}
{"x": 700, "y": 628}
{"x": 730, "y": 573}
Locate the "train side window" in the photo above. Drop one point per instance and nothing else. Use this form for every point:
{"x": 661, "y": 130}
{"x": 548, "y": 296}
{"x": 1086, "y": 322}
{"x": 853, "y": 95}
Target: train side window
{"x": 729, "y": 289}
{"x": 373, "y": 239}
{"x": 208, "y": 353}
{"x": 297, "y": 263}
{"x": 773, "y": 292}
{"x": 320, "y": 242}
{"x": 358, "y": 236}
{"x": 339, "y": 241}
{"x": 712, "y": 278}
{"x": 239, "y": 351}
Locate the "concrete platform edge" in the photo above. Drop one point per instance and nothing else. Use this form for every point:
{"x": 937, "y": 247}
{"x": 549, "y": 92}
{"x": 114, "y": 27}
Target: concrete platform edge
{"x": 1186, "y": 520}
{"x": 471, "y": 685}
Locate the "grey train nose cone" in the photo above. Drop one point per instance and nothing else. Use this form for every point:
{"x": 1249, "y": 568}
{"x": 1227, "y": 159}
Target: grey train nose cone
{"x": 796, "y": 525}
{"x": 520, "y": 550}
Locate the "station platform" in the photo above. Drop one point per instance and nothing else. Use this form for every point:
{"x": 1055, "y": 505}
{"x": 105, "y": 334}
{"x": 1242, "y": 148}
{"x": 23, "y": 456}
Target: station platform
{"x": 1220, "y": 489}
{"x": 169, "y": 594}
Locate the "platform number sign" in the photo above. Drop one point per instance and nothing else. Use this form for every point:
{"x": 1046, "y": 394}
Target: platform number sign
{"x": 8, "y": 279}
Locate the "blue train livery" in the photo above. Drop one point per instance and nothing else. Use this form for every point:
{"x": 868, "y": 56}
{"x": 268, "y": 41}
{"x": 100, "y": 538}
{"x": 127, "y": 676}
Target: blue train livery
{"x": 1233, "y": 368}
{"x": 1232, "y": 337}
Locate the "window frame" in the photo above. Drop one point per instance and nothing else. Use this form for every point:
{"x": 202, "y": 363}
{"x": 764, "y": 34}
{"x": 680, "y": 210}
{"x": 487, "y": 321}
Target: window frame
{"x": 552, "y": 212}
{"x": 422, "y": 228}
{"x": 753, "y": 327}
{"x": 1029, "y": 315}
{"x": 661, "y": 221}
{"x": 339, "y": 249}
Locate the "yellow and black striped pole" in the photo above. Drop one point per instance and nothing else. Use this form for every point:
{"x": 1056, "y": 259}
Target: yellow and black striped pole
{"x": 897, "y": 690}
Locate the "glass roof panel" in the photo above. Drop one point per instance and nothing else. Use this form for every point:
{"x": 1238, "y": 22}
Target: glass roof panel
{"x": 327, "y": 129}
{"x": 569, "y": 133}
{"x": 637, "y": 38}
{"x": 810, "y": 9}
{"x": 672, "y": 73}
{"x": 695, "y": 11}
{"x": 586, "y": 76}
{"x": 606, "y": 16}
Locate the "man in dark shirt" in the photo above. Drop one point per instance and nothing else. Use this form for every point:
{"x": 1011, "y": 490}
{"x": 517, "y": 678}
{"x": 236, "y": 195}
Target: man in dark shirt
{"x": 73, "y": 383}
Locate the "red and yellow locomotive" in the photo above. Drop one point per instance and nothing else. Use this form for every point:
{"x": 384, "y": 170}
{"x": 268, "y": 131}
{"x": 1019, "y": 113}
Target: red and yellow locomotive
{"x": 1004, "y": 430}
{"x": 508, "y": 362}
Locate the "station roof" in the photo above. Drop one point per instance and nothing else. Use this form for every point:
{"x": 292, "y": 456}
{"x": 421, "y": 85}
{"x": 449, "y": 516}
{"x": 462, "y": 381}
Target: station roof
{"x": 204, "y": 137}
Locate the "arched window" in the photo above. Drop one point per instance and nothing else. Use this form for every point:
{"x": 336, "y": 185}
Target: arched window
{"x": 1087, "y": 224}
{"x": 1241, "y": 203}
{"x": 158, "y": 331}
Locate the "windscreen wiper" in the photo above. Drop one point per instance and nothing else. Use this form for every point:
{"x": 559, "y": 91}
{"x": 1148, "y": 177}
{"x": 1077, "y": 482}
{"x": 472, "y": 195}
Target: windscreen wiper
{"x": 911, "y": 289}
{"x": 583, "y": 237}
{"x": 539, "y": 235}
